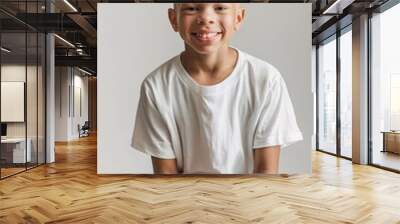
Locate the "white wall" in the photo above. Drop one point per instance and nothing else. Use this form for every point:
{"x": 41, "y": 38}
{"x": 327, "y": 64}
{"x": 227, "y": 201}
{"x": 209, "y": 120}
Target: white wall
{"x": 18, "y": 73}
{"x": 61, "y": 103}
{"x": 68, "y": 80}
{"x": 133, "y": 39}
{"x": 33, "y": 126}
{"x": 80, "y": 83}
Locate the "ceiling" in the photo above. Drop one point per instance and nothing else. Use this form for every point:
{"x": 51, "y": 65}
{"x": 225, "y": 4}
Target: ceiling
{"x": 76, "y": 22}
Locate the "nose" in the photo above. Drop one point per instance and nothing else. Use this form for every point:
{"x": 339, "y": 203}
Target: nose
{"x": 206, "y": 17}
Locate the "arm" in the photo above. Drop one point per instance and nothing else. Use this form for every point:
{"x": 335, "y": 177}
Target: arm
{"x": 266, "y": 160}
{"x": 164, "y": 166}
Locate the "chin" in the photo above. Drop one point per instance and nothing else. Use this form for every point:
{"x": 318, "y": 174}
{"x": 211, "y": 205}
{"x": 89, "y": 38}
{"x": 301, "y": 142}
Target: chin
{"x": 204, "y": 50}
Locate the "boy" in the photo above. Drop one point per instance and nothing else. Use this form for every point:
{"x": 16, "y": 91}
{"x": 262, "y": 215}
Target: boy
{"x": 213, "y": 108}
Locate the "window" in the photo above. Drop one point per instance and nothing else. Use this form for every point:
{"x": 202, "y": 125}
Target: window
{"x": 327, "y": 96}
{"x": 22, "y": 65}
{"x": 346, "y": 75}
{"x": 385, "y": 89}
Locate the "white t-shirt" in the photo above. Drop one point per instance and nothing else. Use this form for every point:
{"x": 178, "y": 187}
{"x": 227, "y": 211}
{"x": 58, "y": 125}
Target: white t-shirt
{"x": 214, "y": 129}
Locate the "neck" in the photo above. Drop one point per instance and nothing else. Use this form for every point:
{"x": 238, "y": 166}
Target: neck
{"x": 216, "y": 65}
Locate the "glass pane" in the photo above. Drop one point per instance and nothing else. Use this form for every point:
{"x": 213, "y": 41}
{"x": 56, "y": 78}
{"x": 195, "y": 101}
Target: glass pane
{"x": 31, "y": 101}
{"x": 327, "y": 97}
{"x": 13, "y": 86}
{"x": 386, "y": 89}
{"x": 346, "y": 93}
{"x": 41, "y": 98}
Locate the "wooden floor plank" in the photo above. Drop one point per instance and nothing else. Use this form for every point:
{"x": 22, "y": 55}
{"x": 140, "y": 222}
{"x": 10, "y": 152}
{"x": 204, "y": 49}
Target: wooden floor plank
{"x": 70, "y": 191}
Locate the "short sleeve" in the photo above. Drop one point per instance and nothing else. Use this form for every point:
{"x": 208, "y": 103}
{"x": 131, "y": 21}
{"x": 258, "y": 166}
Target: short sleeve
{"x": 151, "y": 134}
{"x": 276, "y": 124}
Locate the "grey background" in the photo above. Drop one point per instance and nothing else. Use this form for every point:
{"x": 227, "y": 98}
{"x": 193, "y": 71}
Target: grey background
{"x": 134, "y": 39}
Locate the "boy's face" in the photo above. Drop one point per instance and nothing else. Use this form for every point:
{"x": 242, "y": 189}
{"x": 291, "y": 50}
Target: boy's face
{"x": 206, "y": 27}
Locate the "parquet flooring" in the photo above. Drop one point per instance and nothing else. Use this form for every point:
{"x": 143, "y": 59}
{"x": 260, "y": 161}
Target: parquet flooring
{"x": 10, "y": 171}
{"x": 70, "y": 191}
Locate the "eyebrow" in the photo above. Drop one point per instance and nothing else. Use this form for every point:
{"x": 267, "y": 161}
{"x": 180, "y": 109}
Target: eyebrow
{"x": 178, "y": 5}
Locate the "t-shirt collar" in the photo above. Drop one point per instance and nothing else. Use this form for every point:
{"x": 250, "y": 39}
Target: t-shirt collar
{"x": 229, "y": 81}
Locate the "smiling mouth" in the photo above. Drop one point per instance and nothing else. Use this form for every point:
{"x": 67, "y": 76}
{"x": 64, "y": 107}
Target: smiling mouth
{"x": 205, "y": 35}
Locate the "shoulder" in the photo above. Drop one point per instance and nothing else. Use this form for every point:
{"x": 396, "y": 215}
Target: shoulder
{"x": 260, "y": 72}
{"x": 162, "y": 75}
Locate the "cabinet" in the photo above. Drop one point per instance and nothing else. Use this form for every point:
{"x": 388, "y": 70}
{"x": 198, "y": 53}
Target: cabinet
{"x": 13, "y": 150}
{"x": 391, "y": 141}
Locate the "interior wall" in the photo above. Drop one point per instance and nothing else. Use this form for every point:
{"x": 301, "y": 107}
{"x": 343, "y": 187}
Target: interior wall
{"x": 17, "y": 73}
{"x": 92, "y": 109}
{"x": 68, "y": 82}
{"x": 33, "y": 126}
{"x": 62, "y": 80}
{"x": 79, "y": 116}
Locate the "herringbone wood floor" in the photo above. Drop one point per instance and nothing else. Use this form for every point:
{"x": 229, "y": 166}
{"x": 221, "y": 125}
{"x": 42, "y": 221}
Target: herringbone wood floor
{"x": 70, "y": 191}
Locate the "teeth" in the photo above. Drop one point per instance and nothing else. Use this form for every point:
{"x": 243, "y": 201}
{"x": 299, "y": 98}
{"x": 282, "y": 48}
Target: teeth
{"x": 206, "y": 35}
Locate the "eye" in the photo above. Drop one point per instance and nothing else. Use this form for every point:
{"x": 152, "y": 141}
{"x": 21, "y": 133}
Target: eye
{"x": 189, "y": 9}
{"x": 220, "y": 8}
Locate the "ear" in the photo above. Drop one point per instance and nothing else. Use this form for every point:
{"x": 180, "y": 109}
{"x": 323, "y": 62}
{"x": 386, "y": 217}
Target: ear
{"x": 172, "y": 15}
{"x": 240, "y": 13}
